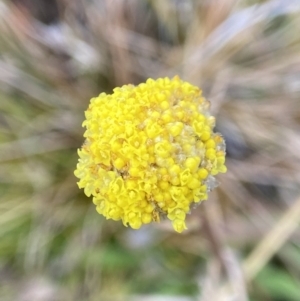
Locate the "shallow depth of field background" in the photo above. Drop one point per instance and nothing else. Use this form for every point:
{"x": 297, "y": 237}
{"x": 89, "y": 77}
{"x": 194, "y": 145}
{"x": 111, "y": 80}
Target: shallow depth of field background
{"x": 243, "y": 243}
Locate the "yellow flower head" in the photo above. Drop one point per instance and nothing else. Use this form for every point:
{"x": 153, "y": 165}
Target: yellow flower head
{"x": 150, "y": 152}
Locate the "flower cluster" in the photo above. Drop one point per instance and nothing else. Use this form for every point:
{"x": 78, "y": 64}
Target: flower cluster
{"x": 150, "y": 151}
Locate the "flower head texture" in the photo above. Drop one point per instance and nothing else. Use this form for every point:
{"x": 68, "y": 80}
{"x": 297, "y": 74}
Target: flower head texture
{"x": 149, "y": 152}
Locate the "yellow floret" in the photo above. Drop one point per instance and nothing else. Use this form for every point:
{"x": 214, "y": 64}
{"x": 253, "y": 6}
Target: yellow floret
{"x": 192, "y": 163}
{"x": 119, "y": 163}
{"x": 210, "y": 154}
{"x": 185, "y": 177}
{"x": 205, "y": 135}
{"x": 134, "y": 171}
{"x": 210, "y": 143}
{"x": 179, "y": 225}
{"x": 146, "y": 218}
{"x": 149, "y": 150}
{"x": 164, "y": 185}
{"x": 175, "y": 129}
{"x": 165, "y": 105}
{"x": 203, "y": 173}
{"x": 167, "y": 116}
{"x": 194, "y": 183}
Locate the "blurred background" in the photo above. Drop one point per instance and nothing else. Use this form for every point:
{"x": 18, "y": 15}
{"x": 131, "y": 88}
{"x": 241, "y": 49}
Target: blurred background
{"x": 243, "y": 243}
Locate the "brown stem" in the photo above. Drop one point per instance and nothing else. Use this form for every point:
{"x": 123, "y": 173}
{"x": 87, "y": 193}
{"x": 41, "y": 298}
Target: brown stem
{"x": 213, "y": 236}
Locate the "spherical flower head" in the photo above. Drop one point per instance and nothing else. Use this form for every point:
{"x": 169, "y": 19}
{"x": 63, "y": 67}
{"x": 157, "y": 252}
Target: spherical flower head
{"x": 150, "y": 152}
